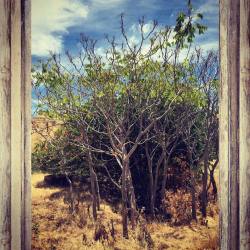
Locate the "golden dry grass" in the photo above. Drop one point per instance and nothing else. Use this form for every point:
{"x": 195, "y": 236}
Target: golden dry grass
{"x": 55, "y": 228}
{"x": 43, "y": 128}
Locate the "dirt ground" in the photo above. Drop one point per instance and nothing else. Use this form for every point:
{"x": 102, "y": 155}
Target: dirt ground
{"x": 54, "y": 227}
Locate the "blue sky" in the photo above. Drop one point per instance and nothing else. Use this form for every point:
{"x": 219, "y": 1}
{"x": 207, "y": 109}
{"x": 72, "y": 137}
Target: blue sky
{"x": 56, "y": 24}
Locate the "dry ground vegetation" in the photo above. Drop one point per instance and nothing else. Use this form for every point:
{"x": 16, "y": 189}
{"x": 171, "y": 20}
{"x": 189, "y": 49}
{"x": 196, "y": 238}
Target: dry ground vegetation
{"x": 54, "y": 227}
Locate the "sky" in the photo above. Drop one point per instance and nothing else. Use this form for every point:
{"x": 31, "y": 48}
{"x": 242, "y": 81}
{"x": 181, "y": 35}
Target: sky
{"x": 57, "y": 24}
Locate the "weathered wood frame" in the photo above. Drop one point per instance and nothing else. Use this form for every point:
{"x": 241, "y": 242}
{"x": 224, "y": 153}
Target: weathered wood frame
{"x": 235, "y": 124}
{"x": 15, "y": 122}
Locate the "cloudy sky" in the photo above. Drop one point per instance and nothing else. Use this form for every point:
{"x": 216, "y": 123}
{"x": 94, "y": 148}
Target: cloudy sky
{"x": 56, "y": 24}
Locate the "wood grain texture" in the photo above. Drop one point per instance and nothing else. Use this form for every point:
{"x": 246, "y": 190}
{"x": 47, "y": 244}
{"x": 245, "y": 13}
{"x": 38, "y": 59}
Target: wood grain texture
{"x": 245, "y": 125}
{"x": 235, "y": 124}
{"x": 5, "y": 119}
{"x": 15, "y": 125}
{"x": 16, "y": 132}
{"x": 233, "y": 52}
{"x": 26, "y": 123}
{"x": 223, "y": 127}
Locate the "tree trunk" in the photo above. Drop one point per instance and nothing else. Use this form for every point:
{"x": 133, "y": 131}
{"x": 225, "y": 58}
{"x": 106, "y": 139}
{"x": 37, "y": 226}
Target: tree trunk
{"x": 151, "y": 182}
{"x": 212, "y": 180}
{"x": 93, "y": 192}
{"x": 194, "y": 217}
{"x": 97, "y": 189}
{"x": 124, "y": 201}
{"x": 164, "y": 180}
{"x": 215, "y": 191}
{"x": 93, "y": 180}
{"x": 128, "y": 195}
{"x": 71, "y": 198}
{"x": 93, "y": 185}
{"x": 151, "y": 192}
{"x": 132, "y": 200}
{"x": 159, "y": 162}
{"x": 204, "y": 185}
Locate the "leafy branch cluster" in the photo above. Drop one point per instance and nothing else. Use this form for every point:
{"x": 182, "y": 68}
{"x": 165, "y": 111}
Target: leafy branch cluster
{"x": 135, "y": 116}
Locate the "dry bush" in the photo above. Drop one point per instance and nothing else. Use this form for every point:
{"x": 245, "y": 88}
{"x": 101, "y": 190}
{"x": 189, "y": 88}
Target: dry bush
{"x": 63, "y": 221}
{"x": 101, "y": 233}
{"x": 212, "y": 209}
{"x": 35, "y": 229}
{"x": 212, "y": 243}
{"x": 143, "y": 235}
{"x": 178, "y": 204}
{"x": 112, "y": 230}
{"x": 163, "y": 246}
{"x": 81, "y": 217}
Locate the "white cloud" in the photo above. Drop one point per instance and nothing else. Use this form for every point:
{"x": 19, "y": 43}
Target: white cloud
{"x": 147, "y": 27}
{"x": 101, "y": 51}
{"x": 210, "y": 7}
{"x": 134, "y": 34}
{"x": 136, "y": 28}
{"x": 134, "y": 40}
{"x": 214, "y": 45}
{"x": 205, "y": 47}
{"x": 35, "y": 101}
{"x": 107, "y": 3}
{"x": 50, "y": 20}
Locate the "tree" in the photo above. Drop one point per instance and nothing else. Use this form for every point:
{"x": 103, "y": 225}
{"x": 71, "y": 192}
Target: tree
{"x": 119, "y": 98}
{"x": 207, "y": 70}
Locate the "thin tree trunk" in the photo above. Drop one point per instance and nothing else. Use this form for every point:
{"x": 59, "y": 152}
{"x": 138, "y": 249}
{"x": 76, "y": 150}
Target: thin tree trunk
{"x": 164, "y": 180}
{"x": 204, "y": 185}
{"x": 212, "y": 180}
{"x": 192, "y": 186}
{"x": 93, "y": 181}
{"x": 124, "y": 202}
{"x": 159, "y": 162}
{"x": 71, "y": 198}
{"x": 128, "y": 195}
{"x": 93, "y": 192}
{"x": 151, "y": 182}
{"x": 215, "y": 191}
{"x": 97, "y": 189}
{"x": 93, "y": 185}
{"x": 132, "y": 200}
{"x": 194, "y": 217}
{"x": 166, "y": 162}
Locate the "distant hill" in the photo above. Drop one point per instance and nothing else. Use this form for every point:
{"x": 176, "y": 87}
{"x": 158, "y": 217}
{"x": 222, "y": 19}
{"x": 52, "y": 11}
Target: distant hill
{"x": 43, "y": 128}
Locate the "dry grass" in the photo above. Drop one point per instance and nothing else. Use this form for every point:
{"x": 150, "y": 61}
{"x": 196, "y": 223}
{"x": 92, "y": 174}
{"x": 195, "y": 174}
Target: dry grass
{"x": 55, "y": 228}
{"x": 43, "y": 128}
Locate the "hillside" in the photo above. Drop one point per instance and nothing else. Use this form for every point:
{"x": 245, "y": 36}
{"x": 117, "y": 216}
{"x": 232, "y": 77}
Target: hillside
{"x": 43, "y": 129}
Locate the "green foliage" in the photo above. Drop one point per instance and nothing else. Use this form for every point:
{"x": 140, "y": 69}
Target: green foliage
{"x": 126, "y": 99}
{"x": 58, "y": 156}
{"x": 186, "y": 27}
